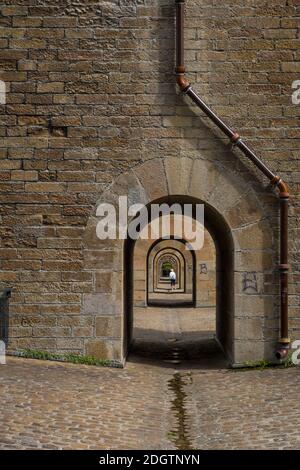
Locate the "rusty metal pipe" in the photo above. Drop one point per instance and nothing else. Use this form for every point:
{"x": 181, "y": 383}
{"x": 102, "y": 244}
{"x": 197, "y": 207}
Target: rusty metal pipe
{"x": 200, "y": 103}
{"x": 284, "y": 341}
{"x": 275, "y": 180}
{"x": 283, "y": 269}
{"x": 233, "y": 136}
{"x": 282, "y": 351}
{"x": 179, "y": 36}
{"x": 255, "y": 159}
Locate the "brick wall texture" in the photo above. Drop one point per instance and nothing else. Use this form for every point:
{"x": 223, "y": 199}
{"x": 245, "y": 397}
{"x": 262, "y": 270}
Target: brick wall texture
{"x": 91, "y": 94}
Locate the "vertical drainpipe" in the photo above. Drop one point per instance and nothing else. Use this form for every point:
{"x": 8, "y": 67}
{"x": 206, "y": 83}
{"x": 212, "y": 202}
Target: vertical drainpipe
{"x": 284, "y": 342}
{"x": 276, "y": 181}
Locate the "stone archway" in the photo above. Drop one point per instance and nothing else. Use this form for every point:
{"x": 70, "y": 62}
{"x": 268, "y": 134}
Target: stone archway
{"x": 186, "y": 280}
{"x": 245, "y": 244}
{"x": 162, "y": 266}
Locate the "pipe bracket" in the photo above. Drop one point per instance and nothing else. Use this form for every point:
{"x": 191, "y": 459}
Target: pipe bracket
{"x": 235, "y": 138}
{"x": 285, "y": 341}
{"x": 283, "y": 267}
{"x": 180, "y": 69}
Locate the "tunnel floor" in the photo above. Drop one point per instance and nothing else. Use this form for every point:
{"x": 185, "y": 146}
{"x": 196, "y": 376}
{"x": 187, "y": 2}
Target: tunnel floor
{"x": 184, "y": 337}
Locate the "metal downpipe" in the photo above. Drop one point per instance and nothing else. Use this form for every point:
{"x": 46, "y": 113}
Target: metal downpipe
{"x": 276, "y": 181}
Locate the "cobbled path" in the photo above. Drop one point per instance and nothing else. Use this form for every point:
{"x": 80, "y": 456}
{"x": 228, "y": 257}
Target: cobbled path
{"x": 51, "y": 405}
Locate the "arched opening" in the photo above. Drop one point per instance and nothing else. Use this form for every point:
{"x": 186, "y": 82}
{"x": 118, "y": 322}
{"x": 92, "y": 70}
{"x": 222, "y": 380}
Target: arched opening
{"x": 166, "y": 267}
{"x": 163, "y": 265}
{"x": 245, "y": 244}
{"x": 219, "y": 232}
{"x": 182, "y": 261}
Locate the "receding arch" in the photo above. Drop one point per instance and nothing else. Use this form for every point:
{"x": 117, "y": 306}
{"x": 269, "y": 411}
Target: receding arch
{"x": 236, "y": 219}
{"x": 221, "y": 234}
{"x": 191, "y": 259}
{"x": 160, "y": 262}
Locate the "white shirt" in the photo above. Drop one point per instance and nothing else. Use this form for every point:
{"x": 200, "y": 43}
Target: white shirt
{"x": 172, "y": 275}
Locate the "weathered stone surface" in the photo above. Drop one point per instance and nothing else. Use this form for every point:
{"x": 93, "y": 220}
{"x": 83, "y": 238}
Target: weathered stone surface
{"x": 101, "y": 349}
{"x": 152, "y": 177}
{"x": 254, "y": 236}
{"x": 99, "y": 303}
{"x": 103, "y": 282}
{"x": 245, "y": 211}
{"x": 249, "y": 350}
{"x": 102, "y": 259}
{"x": 203, "y": 179}
{"x": 255, "y": 260}
{"x": 249, "y": 328}
{"x": 129, "y": 185}
{"x": 108, "y": 327}
{"x": 263, "y": 306}
{"x": 178, "y": 171}
{"x": 92, "y": 114}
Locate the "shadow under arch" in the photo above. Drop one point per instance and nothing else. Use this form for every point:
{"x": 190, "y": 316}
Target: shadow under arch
{"x": 194, "y": 276}
{"x": 221, "y": 234}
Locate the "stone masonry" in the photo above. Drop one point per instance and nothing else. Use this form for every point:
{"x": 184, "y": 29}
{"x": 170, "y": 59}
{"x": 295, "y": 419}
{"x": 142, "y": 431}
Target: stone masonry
{"x": 91, "y": 98}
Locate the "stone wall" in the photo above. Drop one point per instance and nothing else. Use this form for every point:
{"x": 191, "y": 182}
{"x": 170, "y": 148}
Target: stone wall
{"x": 91, "y": 95}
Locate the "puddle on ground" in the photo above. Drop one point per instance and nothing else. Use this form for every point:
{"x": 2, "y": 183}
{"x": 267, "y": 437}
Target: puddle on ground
{"x": 179, "y": 435}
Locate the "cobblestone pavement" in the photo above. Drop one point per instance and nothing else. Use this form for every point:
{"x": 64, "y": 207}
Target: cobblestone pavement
{"x": 181, "y": 400}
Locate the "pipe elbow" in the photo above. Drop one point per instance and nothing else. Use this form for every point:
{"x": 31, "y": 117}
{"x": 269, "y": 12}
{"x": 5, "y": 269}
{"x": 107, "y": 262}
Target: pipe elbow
{"x": 283, "y": 348}
{"x": 282, "y": 352}
{"x": 282, "y": 186}
{"x": 283, "y": 189}
{"x": 182, "y": 82}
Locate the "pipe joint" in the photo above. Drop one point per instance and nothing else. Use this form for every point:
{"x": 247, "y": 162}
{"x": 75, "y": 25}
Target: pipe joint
{"x": 235, "y": 137}
{"x": 283, "y": 348}
{"x": 285, "y": 342}
{"x": 180, "y": 69}
{"x": 283, "y": 267}
{"x": 186, "y": 90}
{"x": 282, "y": 352}
{"x": 277, "y": 182}
{"x": 183, "y": 83}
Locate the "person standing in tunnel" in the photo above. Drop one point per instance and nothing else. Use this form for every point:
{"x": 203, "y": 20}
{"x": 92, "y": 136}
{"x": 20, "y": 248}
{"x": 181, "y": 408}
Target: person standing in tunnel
{"x": 172, "y": 277}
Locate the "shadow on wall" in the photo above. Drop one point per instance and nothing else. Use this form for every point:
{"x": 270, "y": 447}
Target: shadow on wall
{"x": 4, "y": 314}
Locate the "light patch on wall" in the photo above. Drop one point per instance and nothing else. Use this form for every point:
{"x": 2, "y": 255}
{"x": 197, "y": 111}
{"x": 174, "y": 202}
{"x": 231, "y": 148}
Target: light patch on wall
{"x": 2, "y": 352}
{"x": 2, "y": 92}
